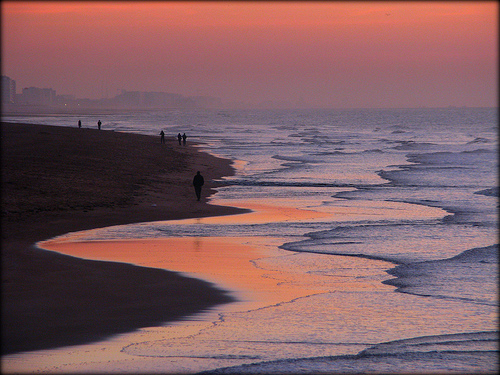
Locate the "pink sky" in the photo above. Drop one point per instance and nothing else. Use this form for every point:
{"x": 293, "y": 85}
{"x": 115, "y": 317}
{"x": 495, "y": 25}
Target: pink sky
{"x": 328, "y": 54}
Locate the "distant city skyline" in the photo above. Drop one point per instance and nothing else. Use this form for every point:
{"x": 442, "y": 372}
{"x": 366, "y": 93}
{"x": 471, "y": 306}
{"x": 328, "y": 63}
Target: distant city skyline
{"x": 30, "y": 97}
{"x": 309, "y": 54}
{"x": 47, "y": 96}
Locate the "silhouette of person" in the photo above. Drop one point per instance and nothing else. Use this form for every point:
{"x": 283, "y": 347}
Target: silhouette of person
{"x": 162, "y": 137}
{"x": 79, "y": 123}
{"x": 179, "y": 137}
{"x": 198, "y": 182}
{"x": 99, "y": 124}
{"x": 184, "y": 136}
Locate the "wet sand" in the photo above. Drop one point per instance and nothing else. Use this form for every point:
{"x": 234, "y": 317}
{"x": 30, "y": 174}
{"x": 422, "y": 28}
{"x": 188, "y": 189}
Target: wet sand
{"x": 57, "y": 180}
{"x": 224, "y": 261}
{"x": 284, "y": 311}
{"x": 237, "y": 264}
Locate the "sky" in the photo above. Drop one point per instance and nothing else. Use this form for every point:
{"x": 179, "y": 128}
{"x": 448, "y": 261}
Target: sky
{"x": 311, "y": 54}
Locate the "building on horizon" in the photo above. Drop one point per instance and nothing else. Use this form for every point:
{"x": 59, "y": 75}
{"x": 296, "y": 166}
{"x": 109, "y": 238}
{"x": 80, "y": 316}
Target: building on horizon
{"x": 38, "y": 96}
{"x": 32, "y": 99}
{"x": 8, "y": 90}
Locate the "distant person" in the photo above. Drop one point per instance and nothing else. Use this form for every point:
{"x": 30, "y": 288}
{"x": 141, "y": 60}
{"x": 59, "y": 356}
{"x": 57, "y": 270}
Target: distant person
{"x": 79, "y": 123}
{"x": 184, "y": 136}
{"x": 179, "y": 137}
{"x": 99, "y": 124}
{"x": 198, "y": 182}
{"x": 162, "y": 137}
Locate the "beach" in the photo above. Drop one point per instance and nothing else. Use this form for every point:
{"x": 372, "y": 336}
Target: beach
{"x": 364, "y": 241}
{"x": 57, "y": 180}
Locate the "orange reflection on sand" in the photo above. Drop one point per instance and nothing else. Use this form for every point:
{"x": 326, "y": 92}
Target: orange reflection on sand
{"x": 280, "y": 209}
{"x": 227, "y": 262}
{"x": 235, "y": 263}
{"x": 276, "y": 211}
{"x": 272, "y": 210}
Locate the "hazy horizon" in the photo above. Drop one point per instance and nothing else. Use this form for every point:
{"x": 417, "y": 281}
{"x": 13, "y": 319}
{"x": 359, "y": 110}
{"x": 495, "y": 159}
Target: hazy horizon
{"x": 317, "y": 54}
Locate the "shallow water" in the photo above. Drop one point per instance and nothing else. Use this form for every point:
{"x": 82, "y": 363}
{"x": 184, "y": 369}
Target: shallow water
{"x": 345, "y": 201}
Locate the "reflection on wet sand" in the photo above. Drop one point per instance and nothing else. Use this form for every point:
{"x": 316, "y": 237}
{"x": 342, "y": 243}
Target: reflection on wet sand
{"x": 259, "y": 274}
{"x": 226, "y": 262}
{"x": 291, "y": 304}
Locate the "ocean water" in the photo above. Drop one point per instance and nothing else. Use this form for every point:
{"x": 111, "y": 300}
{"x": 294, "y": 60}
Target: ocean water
{"x": 413, "y": 192}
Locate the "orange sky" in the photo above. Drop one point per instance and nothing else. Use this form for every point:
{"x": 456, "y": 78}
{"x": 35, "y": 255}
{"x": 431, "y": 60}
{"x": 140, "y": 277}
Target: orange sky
{"x": 329, "y": 54}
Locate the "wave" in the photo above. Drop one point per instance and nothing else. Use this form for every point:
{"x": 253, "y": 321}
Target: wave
{"x": 462, "y": 277}
{"x": 492, "y": 192}
{"x": 298, "y": 246}
{"x": 412, "y": 145}
{"x": 396, "y": 242}
{"x": 337, "y": 152}
{"x": 462, "y": 158}
{"x": 244, "y": 182}
{"x": 475, "y": 352}
{"x": 479, "y": 140}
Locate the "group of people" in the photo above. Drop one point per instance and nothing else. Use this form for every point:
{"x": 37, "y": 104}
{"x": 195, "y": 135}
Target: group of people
{"x": 198, "y": 180}
{"x": 99, "y": 123}
{"x": 180, "y": 138}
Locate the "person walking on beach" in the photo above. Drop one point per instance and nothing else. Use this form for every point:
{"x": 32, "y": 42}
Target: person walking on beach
{"x": 79, "y": 124}
{"x": 179, "y": 137}
{"x": 184, "y": 136}
{"x": 99, "y": 124}
{"x": 162, "y": 137}
{"x": 198, "y": 182}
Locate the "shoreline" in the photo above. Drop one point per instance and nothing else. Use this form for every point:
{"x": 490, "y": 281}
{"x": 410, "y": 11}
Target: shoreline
{"x": 244, "y": 265}
{"x": 57, "y": 180}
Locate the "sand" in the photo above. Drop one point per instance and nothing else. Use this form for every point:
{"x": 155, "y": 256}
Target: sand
{"x": 57, "y": 180}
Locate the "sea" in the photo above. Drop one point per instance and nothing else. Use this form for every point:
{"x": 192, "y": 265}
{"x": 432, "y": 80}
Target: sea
{"x": 410, "y": 198}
